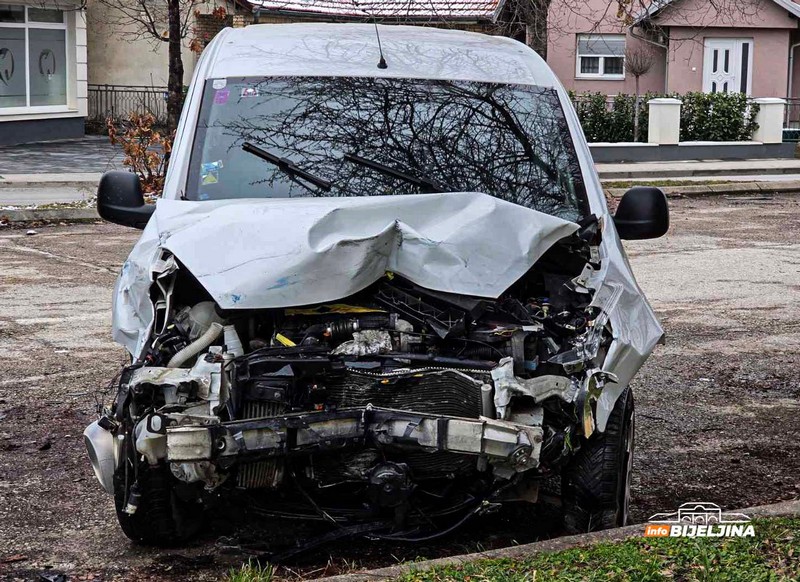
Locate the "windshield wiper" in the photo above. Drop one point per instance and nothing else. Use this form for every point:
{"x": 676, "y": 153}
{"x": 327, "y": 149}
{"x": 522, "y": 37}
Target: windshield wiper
{"x": 425, "y": 183}
{"x": 286, "y": 165}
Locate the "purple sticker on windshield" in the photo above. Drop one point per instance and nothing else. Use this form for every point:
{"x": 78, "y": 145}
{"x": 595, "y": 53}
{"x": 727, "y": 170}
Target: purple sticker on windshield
{"x": 221, "y": 96}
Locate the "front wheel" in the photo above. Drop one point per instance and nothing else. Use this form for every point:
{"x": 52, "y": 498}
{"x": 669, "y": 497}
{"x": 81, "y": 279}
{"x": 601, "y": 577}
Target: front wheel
{"x": 161, "y": 518}
{"x": 596, "y": 484}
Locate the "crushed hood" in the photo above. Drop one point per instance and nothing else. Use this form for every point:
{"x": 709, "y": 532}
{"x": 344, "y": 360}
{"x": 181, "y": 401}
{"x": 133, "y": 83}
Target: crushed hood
{"x": 272, "y": 253}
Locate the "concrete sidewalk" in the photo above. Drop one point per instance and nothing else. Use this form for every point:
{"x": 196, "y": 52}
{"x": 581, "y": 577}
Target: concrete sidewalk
{"x": 63, "y": 171}
{"x": 724, "y": 189}
{"x": 695, "y": 168}
{"x": 36, "y": 189}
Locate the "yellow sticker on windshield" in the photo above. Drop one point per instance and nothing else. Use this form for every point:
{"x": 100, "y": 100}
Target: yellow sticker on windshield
{"x": 209, "y": 172}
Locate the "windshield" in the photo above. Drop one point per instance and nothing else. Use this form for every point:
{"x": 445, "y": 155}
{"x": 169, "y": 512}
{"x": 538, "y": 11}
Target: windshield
{"x": 283, "y": 137}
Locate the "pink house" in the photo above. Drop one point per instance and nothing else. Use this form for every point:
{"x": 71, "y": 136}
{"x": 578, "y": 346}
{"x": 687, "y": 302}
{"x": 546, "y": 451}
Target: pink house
{"x": 749, "y": 48}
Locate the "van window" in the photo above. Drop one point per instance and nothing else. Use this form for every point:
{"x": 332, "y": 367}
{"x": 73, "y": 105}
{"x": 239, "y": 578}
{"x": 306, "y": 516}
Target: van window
{"x": 351, "y": 136}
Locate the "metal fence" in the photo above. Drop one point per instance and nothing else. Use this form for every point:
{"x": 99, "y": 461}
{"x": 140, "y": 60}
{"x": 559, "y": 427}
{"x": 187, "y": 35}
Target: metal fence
{"x": 791, "y": 119}
{"x": 119, "y": 101}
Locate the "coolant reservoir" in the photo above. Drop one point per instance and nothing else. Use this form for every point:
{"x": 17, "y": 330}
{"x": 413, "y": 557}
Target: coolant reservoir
{"x": 199, "y": 319}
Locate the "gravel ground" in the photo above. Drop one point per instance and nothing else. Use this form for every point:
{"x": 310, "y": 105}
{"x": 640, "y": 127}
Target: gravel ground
{"x": 717, "y": 406}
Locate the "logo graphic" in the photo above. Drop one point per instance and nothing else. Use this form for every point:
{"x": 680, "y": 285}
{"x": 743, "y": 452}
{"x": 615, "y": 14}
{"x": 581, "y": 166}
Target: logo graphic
{"x": 6, "y": 65}
{"x": 47, "y": 63}
{"x": 699, "y": 519}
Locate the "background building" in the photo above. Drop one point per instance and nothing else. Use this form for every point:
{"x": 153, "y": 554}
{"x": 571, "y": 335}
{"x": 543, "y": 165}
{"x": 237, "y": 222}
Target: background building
{"x": 43, "y": 71}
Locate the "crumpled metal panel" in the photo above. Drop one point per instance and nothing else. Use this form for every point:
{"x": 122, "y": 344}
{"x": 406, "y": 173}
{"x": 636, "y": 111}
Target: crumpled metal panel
{"x": 271, "y": 253}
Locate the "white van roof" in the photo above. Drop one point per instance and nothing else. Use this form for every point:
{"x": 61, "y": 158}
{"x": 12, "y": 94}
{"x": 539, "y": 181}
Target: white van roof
{"x": 317, "y": 49}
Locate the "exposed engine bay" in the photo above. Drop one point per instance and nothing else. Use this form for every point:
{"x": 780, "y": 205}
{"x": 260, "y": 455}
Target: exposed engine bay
{"x": 400, "y": 407}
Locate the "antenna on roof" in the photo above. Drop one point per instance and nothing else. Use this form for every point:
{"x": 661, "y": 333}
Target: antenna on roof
{"x": 382, "y": 62}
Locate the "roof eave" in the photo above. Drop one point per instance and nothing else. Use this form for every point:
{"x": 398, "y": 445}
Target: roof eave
{"x": 658, "y": 5}
{"x": 366, "y": 18}
{"x": 493, "y": 16}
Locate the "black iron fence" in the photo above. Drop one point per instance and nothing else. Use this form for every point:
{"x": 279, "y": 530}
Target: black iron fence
{"x": 791, "y": 119}
{"x": 119, "y": 101}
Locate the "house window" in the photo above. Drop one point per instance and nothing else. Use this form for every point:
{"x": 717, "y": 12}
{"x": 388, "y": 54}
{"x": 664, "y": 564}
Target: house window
{"x": 601, "y": 56}
{"x": 33, "y": 57}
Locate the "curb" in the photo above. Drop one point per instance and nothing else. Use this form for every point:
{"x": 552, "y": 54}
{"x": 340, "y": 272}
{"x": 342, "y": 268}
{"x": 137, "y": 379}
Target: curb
{"x": 84, "y": 180}
{"x": 48, "y": 214}
{"x": 783, "y": 509}
{"x": 721, "y": 189}
{"x": 687, "y": 171}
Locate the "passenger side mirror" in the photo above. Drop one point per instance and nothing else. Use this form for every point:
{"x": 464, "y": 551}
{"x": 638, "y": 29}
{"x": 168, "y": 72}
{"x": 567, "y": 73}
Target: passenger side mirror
{"x": 642, "y": 213}
{"x": 120, "y": 200}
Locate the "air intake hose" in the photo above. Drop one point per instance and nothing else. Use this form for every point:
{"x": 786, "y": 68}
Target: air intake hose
{"x": 197, "y": 346}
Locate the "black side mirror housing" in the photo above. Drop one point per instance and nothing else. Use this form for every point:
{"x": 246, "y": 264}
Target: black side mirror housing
{"x": 642, "y": 213}
{"x": 120, "y": 200}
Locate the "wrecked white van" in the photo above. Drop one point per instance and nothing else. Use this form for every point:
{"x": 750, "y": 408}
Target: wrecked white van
{"x": 390, "y": 297}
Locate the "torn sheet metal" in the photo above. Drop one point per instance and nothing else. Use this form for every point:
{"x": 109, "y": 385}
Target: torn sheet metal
{"x": 540, "y": 388}
{"x": 258, "y": 254}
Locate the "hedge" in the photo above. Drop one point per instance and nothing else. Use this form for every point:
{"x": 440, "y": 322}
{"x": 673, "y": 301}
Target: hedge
{"x": 704, "y": 116}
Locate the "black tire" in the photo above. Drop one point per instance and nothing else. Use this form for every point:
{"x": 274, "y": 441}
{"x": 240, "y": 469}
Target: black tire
{"x": 161, "y": 518}
{"x": 595, "y": 488}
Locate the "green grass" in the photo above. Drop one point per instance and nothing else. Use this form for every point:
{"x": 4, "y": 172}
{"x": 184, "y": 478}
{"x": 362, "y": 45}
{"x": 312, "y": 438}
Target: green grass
{"x": 250, "y": 572}
{"x": 772, "y": 555}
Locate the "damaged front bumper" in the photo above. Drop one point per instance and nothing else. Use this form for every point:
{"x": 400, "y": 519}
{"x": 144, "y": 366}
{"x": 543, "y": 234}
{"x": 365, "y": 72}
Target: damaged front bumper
{"x": 508, "y": 446}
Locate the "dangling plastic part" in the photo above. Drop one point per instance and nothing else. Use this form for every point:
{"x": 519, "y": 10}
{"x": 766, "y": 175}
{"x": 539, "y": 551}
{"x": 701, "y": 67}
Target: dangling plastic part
{"x": 232, "y": 342}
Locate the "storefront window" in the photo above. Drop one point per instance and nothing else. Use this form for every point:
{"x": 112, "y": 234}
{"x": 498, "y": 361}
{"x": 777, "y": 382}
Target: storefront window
{"x": 45, "y": 15}
{"x": 38, "y": 37}
{"x": 47, "y": 70}
{"x": 12, "y": 13}
{"x": 12, "y": 68}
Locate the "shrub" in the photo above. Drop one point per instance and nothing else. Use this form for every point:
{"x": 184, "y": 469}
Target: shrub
{"x": 704, "y": 116}
{"x": 593, "y": 114}
{"x": 605, "y": 119}
{"x": 717, "y": 117}
{"x": 622, "y": 114}
{"x": 146, "y": 150}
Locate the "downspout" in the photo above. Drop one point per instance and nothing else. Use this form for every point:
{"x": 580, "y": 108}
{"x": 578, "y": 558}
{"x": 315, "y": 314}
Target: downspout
{"x": 632, "y": 28}
{"x": 791, "y": 70}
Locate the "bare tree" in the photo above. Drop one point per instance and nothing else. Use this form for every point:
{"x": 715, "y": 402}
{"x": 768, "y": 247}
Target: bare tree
{"x": 166, "y": 21}
{"x": 638, "y": 62}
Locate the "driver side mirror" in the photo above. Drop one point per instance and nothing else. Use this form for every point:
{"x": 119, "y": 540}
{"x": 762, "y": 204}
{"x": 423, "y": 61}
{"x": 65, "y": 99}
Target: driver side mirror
{"x": 642, "y": 213}
{"x": 120, "y": 200}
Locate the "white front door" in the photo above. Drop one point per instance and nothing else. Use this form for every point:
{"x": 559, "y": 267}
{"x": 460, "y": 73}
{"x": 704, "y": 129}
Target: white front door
{"x": 728, "y": 65}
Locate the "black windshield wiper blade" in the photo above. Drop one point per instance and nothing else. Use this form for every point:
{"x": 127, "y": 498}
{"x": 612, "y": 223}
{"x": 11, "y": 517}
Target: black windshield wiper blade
{"x": 423, "y": 182}
{"x": 286, "y": 165}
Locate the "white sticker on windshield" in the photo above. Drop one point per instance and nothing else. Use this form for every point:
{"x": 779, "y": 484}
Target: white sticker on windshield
{"x": 219, "y": 83}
